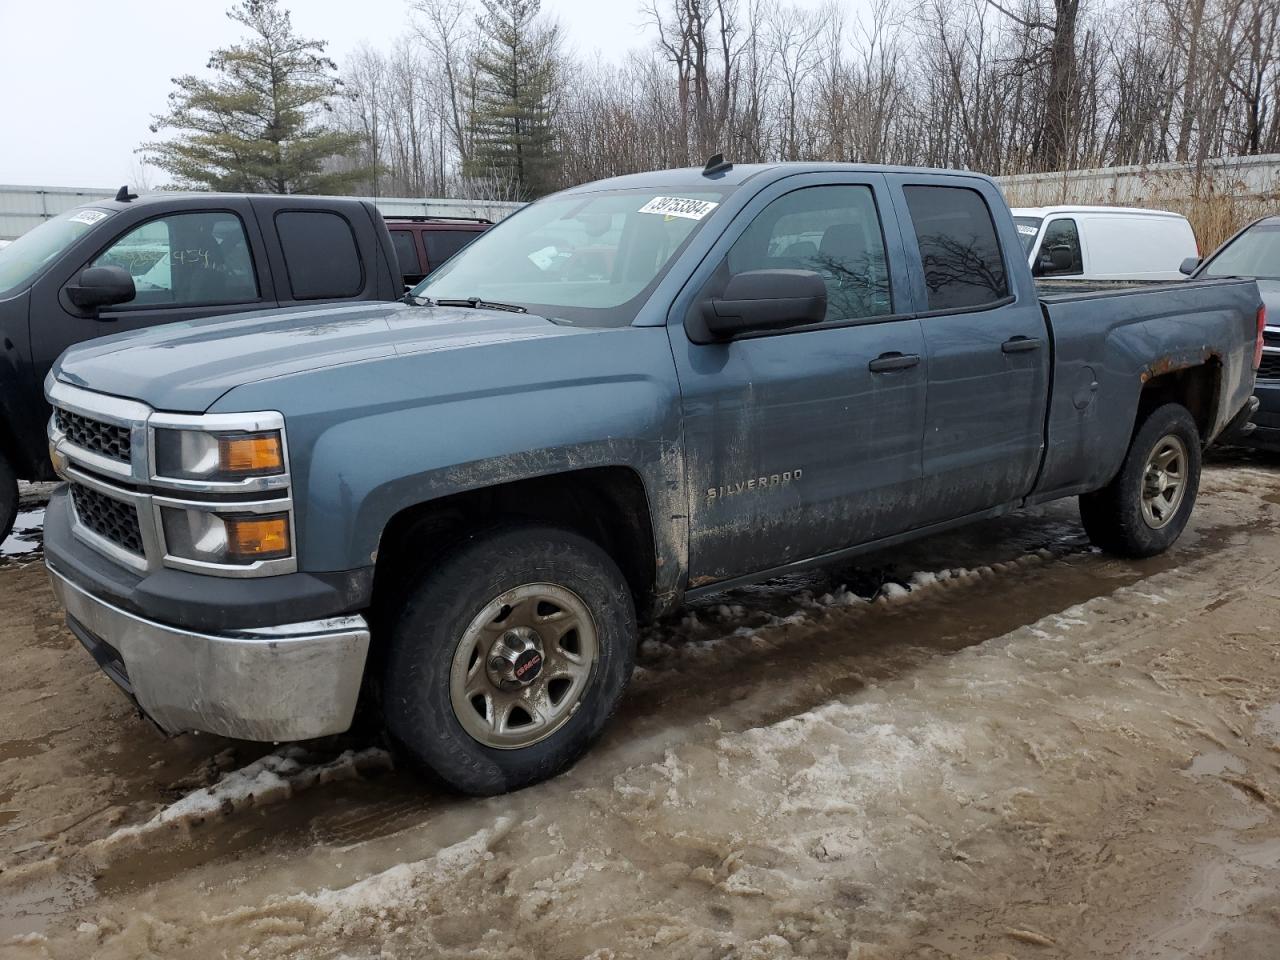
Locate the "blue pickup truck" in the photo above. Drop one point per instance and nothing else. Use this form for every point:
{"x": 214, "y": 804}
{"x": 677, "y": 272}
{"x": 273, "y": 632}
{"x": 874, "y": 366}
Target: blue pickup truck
{"x": 457, "y": 507}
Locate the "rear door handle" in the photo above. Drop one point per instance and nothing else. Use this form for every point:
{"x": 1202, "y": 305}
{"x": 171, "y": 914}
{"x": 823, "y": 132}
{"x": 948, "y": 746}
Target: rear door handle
{"x": 1021, "y": 344}
{"x": 893, "y": 361}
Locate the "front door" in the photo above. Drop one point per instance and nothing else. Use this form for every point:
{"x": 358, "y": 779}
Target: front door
{"x": 184, "y": 265}
{"x": 803, "y": 442}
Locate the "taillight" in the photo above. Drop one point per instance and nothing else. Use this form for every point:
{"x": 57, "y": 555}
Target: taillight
{"x": 1257, "y": 346}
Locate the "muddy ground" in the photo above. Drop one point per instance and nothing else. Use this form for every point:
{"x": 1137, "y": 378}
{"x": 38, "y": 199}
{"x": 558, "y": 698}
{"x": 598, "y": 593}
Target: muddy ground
{"x": 994, "y": 744}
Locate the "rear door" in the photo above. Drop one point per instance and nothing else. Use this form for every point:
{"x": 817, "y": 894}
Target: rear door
{"x": 987, "y": 343}
{"x": 326, "y": 254}
{"x": 187, "y": 263}
{"x": 805, "y": 441}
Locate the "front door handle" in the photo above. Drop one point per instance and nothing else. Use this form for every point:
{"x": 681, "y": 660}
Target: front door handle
{"x": 1021, "y": 344}
{"x": 893, "y": 361}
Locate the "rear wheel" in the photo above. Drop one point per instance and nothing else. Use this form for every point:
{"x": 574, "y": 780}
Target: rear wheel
{"x": 509, "y": 657}
{"x": 1147, "y": 506}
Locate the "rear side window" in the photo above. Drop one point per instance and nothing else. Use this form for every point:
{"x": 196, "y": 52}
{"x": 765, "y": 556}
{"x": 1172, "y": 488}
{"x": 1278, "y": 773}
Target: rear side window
{"x": 963, "y": 267}
{"x": 320, "y": 254}
{"x": 406, "y": 252}
{"x": 443, "y": 244}
{"x": 1060, "y": 251}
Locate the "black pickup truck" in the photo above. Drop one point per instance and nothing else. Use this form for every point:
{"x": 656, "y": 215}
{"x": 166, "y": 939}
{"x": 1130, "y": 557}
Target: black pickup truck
{"x": 116, "y": 265}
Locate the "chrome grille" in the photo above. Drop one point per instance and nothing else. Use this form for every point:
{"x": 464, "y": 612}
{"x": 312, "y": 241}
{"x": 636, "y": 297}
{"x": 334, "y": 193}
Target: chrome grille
{"x": 108, "y": 517}
{"x": 1270, "y": 368}
{"x": 104, "y": 439}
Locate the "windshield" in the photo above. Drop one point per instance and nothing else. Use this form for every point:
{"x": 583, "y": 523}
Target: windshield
{"x": 1255, "y": 253}
{"x": 23, "y": 259}
{"x": 588, "y": 259}
{"x": 1028, "y": 230}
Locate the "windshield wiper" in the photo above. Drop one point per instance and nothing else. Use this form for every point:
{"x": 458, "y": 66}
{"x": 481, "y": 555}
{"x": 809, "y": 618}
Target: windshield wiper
{"x": 479, "y": 304}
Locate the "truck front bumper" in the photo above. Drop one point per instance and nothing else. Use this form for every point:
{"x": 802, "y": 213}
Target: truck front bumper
{"x": 289, "y": 682}
{"x": 1266, "y": 419}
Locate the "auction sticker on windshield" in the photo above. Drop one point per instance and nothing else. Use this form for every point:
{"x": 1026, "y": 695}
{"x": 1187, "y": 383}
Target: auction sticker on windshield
{"x": 679, "y": 207}
{"x": 88, "y": 216}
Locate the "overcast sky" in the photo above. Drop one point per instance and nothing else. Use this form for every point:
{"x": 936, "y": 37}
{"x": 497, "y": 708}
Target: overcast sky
{"x": 80, "y": 79}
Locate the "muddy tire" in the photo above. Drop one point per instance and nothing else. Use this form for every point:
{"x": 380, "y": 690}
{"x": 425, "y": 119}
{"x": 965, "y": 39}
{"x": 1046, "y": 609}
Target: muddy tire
{"x": 8, "y": 498}
{"x": 1145, "y": 508}
{"x": 508, "y": 658}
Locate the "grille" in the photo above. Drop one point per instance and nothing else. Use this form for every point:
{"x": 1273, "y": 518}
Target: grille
{"x": 105, "y": 439}
{"x": 1270, "y": 369}
{"x": 107, "y": 517}
{"x": 1271, "y": 337}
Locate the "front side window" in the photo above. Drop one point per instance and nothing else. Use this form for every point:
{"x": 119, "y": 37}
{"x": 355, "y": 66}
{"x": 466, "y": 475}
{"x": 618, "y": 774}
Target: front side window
{"x": 187, "y": 259}
{"x": 1059, "y": 254}
{"x": 1255, "y": 253}
{"x": 834, "y": 231}
{"x": 586, "y": 258}
{"x": 963, "y": 267}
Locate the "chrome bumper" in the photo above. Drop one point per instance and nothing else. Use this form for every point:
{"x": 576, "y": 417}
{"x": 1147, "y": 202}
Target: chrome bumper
{"x": 290, "y": 682}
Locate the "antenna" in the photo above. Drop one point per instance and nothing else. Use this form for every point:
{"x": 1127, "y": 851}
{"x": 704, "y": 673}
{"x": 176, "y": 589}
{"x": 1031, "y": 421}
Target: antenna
{"x": 717, "y": 164}
{"x": 124, "y": 196}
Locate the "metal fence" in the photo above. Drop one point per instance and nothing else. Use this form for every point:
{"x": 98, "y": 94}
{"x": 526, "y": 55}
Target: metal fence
{"x": 24, "y": 207}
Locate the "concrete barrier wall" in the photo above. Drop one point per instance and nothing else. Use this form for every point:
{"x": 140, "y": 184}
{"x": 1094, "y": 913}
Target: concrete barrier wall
{"x": 1238, "y": 177}
{"x": 25, "y": 207}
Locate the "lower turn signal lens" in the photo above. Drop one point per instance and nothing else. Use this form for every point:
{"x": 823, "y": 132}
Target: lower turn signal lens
{"x": 258, "y": 538}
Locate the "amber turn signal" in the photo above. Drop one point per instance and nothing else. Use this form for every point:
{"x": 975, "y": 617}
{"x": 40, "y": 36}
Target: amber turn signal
{"x": 254, "y": 454}
{"x": 258, "y": 537}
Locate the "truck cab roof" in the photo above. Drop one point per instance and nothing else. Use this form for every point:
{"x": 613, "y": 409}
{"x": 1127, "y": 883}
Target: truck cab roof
{"x": 1092, "y": 210}
{"x": 740, "y": 173}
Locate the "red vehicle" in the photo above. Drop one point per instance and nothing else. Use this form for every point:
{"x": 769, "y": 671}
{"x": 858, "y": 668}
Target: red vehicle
{"x": 423, "y": 243}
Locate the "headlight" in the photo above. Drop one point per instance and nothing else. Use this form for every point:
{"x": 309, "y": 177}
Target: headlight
{"x": 242, "y": 538}
{"x": 218, "y": 457}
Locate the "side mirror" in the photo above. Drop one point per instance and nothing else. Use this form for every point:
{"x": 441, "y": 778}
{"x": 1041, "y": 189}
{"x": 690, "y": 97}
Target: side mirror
{"x": 766, "y": 300}
{"x": 1188, "y": 266}
{"x": 101, "y": 287}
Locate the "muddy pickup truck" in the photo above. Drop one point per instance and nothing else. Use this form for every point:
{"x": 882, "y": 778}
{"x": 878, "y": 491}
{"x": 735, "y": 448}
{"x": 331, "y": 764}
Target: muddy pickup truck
{"x": 455, "y": 509}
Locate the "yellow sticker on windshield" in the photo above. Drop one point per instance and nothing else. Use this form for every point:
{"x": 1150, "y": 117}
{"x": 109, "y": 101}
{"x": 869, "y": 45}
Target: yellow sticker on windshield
{"x": 679, "y": 207}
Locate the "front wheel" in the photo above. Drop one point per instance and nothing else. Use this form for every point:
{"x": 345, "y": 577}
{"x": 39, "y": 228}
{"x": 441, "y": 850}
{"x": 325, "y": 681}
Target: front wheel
{"x": 509, "y": 657}
{"x": 1146, "y": 507}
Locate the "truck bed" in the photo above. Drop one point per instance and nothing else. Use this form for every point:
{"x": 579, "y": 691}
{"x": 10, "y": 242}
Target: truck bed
{"x": 1111, "y": 339}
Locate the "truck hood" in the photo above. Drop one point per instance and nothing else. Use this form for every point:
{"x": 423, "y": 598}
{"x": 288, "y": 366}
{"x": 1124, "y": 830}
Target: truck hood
{"x": 186, "y": 367}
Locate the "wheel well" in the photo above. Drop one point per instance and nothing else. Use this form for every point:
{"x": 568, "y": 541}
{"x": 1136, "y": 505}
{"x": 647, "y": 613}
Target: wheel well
{"x": 1196, "y": 388}
{"x": 604, "y": 504}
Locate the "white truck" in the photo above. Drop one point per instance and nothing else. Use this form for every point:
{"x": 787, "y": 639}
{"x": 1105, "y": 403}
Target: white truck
{"x": 1105, "y": 243}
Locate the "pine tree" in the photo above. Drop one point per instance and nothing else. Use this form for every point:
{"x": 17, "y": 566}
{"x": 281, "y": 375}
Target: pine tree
{"x": 512, "y": 140}
{"x": 258, "y": 125}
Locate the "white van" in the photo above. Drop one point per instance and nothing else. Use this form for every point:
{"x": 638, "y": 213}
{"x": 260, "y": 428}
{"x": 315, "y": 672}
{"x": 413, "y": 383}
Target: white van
{"x": 1105, "y": 243}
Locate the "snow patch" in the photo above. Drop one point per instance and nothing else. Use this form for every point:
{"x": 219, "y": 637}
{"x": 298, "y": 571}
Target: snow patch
{"x": 272, "y": 778}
